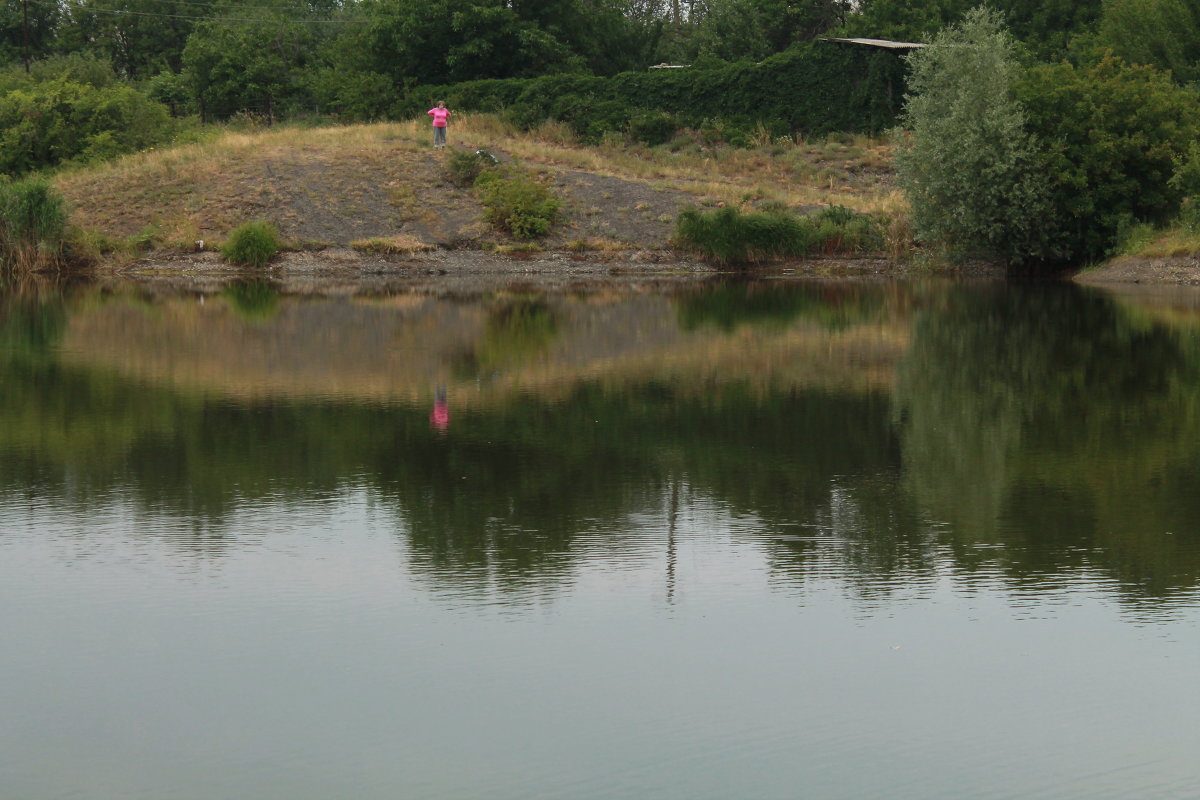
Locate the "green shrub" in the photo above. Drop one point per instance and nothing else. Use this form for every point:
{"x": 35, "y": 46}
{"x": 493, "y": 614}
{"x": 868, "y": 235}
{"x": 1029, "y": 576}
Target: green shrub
{"x": 251, "y": 245}
{"x": 728, "y": 236}
{"x": 1116, "y": 147}
{"x": 653, "y": 129}
{"x": 844, "y": 230}
{"x": 516, "y": 203}
{"x": 33, "y": 222}
{"x": 464, "y": 166}
{"x": 59, "y": 120}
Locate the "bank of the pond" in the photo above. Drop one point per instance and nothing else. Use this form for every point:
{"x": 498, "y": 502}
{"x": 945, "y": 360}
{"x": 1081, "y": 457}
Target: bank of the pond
{"x": 327, "y": 189}
{"x": 337, "y": 270}
{"x": 1181, "y": 270}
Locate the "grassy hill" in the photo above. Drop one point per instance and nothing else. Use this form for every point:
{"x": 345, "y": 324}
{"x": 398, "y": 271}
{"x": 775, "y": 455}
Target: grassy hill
{"x": 336, "y": 185}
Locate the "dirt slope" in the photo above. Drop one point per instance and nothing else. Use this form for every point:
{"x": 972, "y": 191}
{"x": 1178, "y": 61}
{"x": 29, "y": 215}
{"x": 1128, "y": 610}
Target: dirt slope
{"x": 335, "y": 191}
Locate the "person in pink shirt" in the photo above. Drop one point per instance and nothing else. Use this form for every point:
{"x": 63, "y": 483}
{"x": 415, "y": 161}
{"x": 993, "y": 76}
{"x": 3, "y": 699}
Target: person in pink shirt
{"x": 440, "y": 115}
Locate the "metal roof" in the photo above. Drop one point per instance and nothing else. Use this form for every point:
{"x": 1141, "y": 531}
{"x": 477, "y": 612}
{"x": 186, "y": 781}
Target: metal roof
{"x": 885, "y": 43}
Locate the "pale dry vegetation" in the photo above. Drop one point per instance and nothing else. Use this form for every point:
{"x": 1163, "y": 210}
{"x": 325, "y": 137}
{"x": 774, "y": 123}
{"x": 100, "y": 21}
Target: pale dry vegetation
{"x": 365, "y": 182}
{"x": 846, "y": 170}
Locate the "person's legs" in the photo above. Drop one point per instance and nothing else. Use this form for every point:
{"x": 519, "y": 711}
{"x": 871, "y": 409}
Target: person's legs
{"x": 439, "y": 137}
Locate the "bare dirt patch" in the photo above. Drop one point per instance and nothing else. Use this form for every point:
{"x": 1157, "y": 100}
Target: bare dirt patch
{"x": 337, "y": 195}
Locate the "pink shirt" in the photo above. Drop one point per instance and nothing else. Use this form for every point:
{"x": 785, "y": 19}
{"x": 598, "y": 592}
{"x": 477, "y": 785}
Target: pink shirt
{"x": 439, "y": 116}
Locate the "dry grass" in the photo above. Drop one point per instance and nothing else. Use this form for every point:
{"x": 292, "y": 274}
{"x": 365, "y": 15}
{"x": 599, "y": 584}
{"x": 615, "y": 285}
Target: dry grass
{"x": 1172, "y": 242}
{"x": 597, "y": 244}
{"x": 393, "y": 245}
{"x": 205, "y": 189}
{"x": 847, "y": 170}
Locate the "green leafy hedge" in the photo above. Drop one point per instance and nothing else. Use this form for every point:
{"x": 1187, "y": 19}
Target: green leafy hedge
{"x": 815, "y": 88}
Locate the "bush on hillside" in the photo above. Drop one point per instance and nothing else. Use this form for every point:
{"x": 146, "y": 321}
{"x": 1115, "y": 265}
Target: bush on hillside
{"x": 33, "y": 222}
{"x": 516, "y": 203}
{"x": 464, "y": 166}
{"x": 252, "y": 244}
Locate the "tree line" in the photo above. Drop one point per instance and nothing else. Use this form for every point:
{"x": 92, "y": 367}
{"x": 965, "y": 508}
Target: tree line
{"x": 1089, "y": 109}
{"x": 218, "y": 58}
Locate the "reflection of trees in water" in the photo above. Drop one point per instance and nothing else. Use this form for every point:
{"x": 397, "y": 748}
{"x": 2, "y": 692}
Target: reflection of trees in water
{"x": 31, "y": 326}
{"x": 517, "y": 331}
{"x": 728, "y": 305}
{"x": 1046, "y": 420}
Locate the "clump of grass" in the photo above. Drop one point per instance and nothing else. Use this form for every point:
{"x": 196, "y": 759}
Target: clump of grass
{"x": 519, "y": 249}
{"x": 33, "y": 225}
{"x": 898, "y": 238}
{"x": 252, "y": 244}
{"x": 729, "y": 236}
{"x": 89, "y": 247}
{"x": 392, "y": 245}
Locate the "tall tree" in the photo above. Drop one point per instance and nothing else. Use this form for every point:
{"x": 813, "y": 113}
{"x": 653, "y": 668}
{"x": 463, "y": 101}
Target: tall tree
{"x": 27, "y": 27}
{"x": 1160, "y": 33}
{"x": 967, "y": 163}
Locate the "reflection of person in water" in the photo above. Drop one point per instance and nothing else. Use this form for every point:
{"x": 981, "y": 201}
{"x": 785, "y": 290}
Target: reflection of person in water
{"x": 439, "y": 418}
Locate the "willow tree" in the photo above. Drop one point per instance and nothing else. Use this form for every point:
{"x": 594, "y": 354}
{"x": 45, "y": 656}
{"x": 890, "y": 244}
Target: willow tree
{"x": 968, "y": 164}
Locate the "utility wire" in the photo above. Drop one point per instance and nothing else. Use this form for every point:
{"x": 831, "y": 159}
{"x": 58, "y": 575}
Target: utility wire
{"x": 214, "y": 18}
{"x": 223, "y": 3}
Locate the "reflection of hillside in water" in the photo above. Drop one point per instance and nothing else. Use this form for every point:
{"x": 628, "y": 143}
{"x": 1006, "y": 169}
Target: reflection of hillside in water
{"x": 1033, "y": 436}
{"x": 397, "y": 348}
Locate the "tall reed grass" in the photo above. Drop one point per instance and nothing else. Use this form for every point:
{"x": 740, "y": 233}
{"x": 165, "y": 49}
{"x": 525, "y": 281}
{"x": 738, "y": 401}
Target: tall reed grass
{"x": 728, "y": 236}
{"x": 33, "y": 224}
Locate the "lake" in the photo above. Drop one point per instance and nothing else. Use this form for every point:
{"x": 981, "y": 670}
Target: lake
{"x": 772, "y": 539}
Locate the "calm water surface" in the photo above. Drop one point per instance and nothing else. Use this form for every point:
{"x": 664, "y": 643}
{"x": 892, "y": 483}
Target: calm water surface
{"x": 772, "y": 540}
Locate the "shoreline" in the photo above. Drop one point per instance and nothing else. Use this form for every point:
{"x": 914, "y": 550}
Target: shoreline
{"x": 455, "y": 271}
{"x": 1133, "y": 270}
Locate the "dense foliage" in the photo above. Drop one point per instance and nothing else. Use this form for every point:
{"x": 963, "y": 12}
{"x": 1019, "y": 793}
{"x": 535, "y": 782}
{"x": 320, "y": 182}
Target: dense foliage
{"x": 815, "y": 88}
{"x": 728, "y": 236}
{"x": 972, "y": 172}
{"x": 1040, "y": 165}
{"x": 1112, "y": 134}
